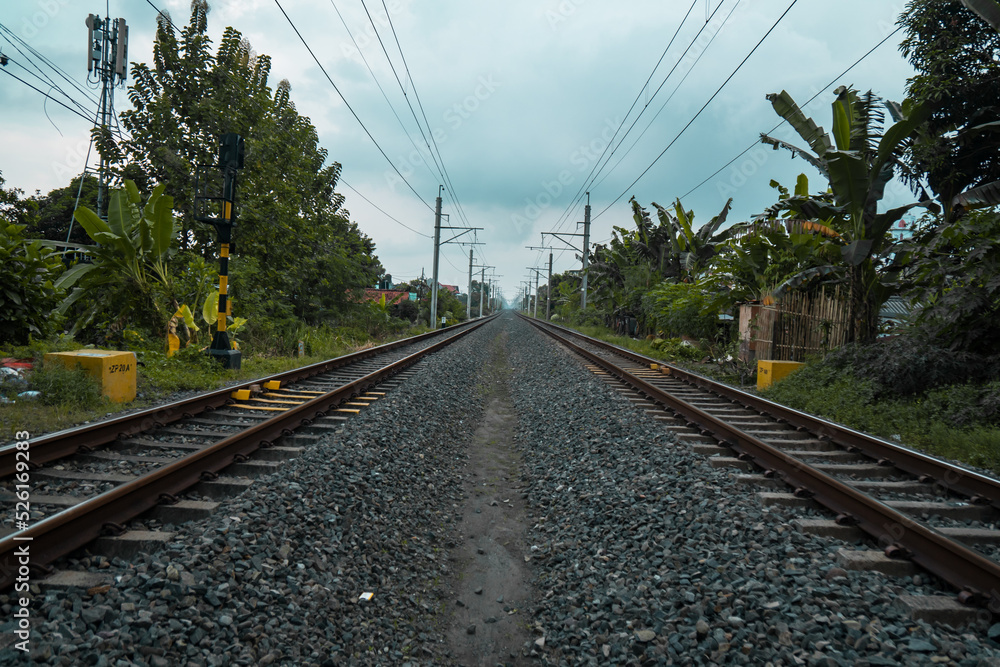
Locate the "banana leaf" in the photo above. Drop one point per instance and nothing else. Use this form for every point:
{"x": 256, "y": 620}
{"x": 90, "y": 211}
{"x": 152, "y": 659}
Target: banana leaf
{"x": 90, "y": 221}
{"x": 983, "y": 196}
{"x": 814, "y": 135}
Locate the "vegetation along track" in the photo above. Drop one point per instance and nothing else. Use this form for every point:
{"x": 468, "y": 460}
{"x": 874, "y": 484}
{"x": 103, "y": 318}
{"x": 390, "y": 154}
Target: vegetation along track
{"x": 165, "y": 451}
{"x": 917, "y": 508}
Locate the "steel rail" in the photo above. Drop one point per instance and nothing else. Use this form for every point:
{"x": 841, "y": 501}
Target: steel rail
{"x": 74, "y": 527}
{"x": 948, "y": 476}
{"x": 968, "y": 571}
{"x": 70, "y": 441}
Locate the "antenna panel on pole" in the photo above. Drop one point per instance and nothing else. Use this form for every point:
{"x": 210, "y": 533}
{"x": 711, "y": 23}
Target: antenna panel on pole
{"x": 93, "y": 49}
{"x": 121, "y": 48}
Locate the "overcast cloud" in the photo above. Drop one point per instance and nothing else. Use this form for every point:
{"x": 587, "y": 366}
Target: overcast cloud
{"x": 522, "y": 97}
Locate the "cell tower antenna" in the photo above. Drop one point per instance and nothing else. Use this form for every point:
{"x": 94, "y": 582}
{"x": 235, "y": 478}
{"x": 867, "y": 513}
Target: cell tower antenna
{"x": 107, "y": 59}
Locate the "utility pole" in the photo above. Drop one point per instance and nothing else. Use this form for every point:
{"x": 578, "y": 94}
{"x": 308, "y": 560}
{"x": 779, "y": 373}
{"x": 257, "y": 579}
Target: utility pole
{"x": 483, "y": 267}
{"x": 482, "y": 277}
{"x": 536, "y": 295}
{"x": 538, "y": 271}
{"x": 468, "y": 299}
{"x": 548, "y": 285}
{"x": 586, "y": 251}
{"x": 548, "y": 292}
{"x": 107, "y": 58}
{"x": 437, "y": 247}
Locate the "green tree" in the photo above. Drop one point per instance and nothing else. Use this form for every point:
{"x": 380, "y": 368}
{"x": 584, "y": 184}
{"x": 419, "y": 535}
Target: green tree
{"x": 126, "y": 275}
{"x": 635, "y": 260}
{"x": 28, "y": 294}
{"x": 955, "y": 269}
{"x": 14, "y": 208}
{"x": 958, "y": 77}
{"x": 55, "y": 211}
{"x": 858, "y": 162}
{"x": 297, "y": 254}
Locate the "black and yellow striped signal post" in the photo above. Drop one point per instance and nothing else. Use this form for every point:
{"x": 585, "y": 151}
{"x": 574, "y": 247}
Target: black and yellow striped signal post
{"x": 230, "y": 159}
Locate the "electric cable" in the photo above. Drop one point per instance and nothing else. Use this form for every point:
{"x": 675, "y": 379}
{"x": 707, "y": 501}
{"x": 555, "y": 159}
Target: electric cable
{"x": 666, "y": 101}
{"x": 377, "y": 83}
{"x": 402, "y": 224}
{"x": 598, "y": 167}
{"x": 298, "y": 142}
{"x": 452, "y": 192}
{"x": 783, "y": 121}
{"x": 351, "y": 109}
{"x": 702, "y": 109}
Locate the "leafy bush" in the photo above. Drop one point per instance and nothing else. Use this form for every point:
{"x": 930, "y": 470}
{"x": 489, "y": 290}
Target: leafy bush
{"x": 955, "y": 269}
{"x": 965, "y": 405}
{"x": 910, "y": 365}
{"x": 28, "y": 296}
{"x": 675, "y": 348}
{"x": 683, "y": 309}
{"x": 63, "y": 386}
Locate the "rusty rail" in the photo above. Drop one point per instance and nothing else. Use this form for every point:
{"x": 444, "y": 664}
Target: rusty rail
{"x": 968, "y": 571}
{"x": 65, "y": 443}
{"x": 72, "y": 528}
{"x": 928, "y": 468}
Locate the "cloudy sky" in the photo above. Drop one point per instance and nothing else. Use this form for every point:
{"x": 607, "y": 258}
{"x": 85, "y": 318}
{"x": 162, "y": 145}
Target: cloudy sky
{"x": 528, "y": 102}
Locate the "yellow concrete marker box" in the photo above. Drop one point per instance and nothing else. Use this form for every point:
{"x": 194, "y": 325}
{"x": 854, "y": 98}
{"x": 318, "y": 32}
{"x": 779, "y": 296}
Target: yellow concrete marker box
{"x": 769, "y": 372}
{"x": 115, "y": 371}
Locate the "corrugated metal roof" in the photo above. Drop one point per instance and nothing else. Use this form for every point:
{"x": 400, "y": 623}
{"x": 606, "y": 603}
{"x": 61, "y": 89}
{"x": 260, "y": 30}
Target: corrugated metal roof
{"x": 895, "y": 308}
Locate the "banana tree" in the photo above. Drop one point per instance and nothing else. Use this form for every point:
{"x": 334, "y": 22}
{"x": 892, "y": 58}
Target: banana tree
{"x": 859, "y": 161}
{"x": 130, "y": 253}
{"x": 691, "y": 251}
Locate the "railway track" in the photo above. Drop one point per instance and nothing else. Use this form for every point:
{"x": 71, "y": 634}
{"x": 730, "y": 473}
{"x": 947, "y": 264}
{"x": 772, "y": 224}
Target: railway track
{"x": 160, "y": 453}
{"x": 919, "y": 510}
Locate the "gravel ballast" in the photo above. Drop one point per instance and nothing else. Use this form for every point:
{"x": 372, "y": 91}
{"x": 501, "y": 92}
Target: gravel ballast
{"x": 640, "y": 552}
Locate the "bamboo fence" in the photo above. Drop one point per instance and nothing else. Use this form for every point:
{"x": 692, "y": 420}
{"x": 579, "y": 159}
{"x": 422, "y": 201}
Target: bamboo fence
{"x": 799, "y": 325}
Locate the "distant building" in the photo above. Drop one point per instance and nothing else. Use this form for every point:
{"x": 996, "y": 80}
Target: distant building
{"x": 904, "y": 229}
{"x": 451, "y": 288}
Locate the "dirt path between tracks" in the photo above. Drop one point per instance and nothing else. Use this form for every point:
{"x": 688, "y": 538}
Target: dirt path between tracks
{"x": 492, "y": 586}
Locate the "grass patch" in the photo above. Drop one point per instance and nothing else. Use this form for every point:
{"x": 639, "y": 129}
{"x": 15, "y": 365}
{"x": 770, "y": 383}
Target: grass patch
{"x": 672, "y": 350}
{"x": 941, "y": 422}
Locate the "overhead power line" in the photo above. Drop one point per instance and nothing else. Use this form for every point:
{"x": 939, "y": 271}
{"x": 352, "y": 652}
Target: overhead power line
{"x": 45, "y": 94}
{"x": 577, "y": 198}
{"x": 381, "y": 90}
{"x": 666, "y": 101}
{"x": 347, "y": 104}
{"x": 809, "y": 101}
{"x": 702, "y": 109}
{"x": 377, "y": 207}
{"x": 452, "y": 192}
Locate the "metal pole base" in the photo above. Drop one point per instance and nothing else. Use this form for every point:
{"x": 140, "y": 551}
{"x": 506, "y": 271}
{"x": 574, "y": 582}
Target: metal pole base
{"x": 228, "y": 358}
{"x": 222, "y": 350}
